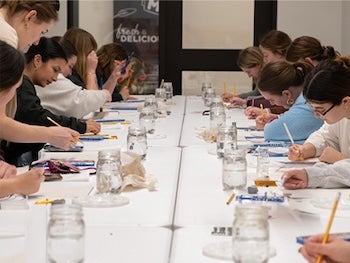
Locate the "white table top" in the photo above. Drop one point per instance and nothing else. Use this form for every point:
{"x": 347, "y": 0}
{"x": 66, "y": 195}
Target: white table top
{"x": 146, "y": 208}
{"x": 189, "y": 199}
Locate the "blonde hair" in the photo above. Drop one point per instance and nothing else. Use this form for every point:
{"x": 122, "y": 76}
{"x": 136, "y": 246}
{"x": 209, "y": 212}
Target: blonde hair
{"x": 84, "y": 43}
{"x": 47, "y": 10}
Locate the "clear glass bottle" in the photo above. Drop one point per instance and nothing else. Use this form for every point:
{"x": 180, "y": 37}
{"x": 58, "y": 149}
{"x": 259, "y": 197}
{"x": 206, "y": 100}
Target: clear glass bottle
{"x": 137, "y": 140}
{"x": 108, "y": 171}
{"x": 65, "y": 234}
{"x": 250, "y": 234}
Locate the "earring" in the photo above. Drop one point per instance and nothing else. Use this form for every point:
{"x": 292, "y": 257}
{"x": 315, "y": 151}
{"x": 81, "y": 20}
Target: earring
{"x": 26, "y": 25}
{"x": 290, "y": 101}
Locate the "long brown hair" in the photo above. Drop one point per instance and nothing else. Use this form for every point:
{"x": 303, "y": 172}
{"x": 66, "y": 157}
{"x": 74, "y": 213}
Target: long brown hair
{"x": 311, "y": 47}
{"x": 84, "y": 43}
{"x": 106, "y": 56}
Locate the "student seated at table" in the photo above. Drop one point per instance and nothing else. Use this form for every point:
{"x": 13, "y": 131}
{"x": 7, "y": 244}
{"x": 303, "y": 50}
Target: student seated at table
{"x": 44, "y": 62}
{"x": 335, "y": 250}
{"x": 281, "y": 83}
{"x": 63, "y": 97}
{"x": 11, "y": 69}
{"x": 309, "y": 49}
{"x": 109, "y": 56}
{"x": 274, "y": 45}
{"x": 250, "y": 60}
{"x": 327, "y": 91}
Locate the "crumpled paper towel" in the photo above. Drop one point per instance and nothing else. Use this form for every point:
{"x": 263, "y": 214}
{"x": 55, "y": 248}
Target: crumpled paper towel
{"x": 134, "y": 174}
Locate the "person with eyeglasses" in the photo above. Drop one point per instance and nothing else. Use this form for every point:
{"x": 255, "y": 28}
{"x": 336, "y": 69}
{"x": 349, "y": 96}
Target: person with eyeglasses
{"x": 327, "y": 91}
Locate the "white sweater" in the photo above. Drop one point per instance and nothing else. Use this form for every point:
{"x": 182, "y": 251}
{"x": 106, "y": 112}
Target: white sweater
{"x": 336, "y": 135}
{"x": 63, "y": 97}
{"x": 329, "y": 175}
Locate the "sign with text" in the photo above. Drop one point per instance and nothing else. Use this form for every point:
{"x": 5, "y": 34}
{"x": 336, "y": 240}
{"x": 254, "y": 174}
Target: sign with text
{"x": 136, "y": 28}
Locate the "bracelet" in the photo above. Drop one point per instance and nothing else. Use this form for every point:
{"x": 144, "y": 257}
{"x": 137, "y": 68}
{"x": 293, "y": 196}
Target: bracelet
{"x": 91, "y": 73}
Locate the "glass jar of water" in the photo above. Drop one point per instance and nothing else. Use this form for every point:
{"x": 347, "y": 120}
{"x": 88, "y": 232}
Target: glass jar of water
{"x": 234, "y": 169}
{"x": 137, "y": 140}
{"x": 147, "y": 118}
{"x": 226, "y": 139}
{"x": 250, "y": 234}
{"x": 65, "y": 234}
{"x": 108, "y": 173}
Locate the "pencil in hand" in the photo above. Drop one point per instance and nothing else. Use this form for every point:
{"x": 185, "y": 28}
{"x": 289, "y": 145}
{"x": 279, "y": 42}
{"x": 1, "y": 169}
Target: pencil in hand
{"x": 329, "y": 224}
{"x": 76, "y": 138}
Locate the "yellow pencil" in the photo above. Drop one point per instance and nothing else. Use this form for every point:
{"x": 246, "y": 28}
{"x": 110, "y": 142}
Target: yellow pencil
{"x": 230, "y": 198}
{"x": 57, "y": 124}
{"x": 262, "y": 110}
{"x": 330, "y": 221}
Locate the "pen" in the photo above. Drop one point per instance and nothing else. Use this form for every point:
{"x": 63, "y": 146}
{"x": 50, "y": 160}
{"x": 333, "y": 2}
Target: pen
{"x": 126, "y": 108}
{"x": 288, "y": 133}
{"x": 109, "y": 120}
{"x": 57, "y": 124}
{"x": 330, "y": 221}
{"x": 230, "y": 198}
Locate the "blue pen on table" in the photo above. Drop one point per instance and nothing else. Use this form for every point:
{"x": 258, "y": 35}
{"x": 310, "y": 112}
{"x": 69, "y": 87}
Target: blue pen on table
{"x": 109, "y": 120}
{"x": 124, "y": 108}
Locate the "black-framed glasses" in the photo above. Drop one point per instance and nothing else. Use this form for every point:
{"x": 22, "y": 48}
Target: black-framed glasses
{"x": 329, "y": 109}
{"x": 325, "y": 112}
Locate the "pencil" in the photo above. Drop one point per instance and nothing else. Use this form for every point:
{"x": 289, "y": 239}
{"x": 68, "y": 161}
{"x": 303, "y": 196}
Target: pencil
{"x": 129, "y": 79}
{"x": 234, "y": 90}
{"x": 225, "y": 87}
{"x": 288, "y": 133}
{"x": 262, "y": 110}
{"x": 230, "y": 198}
{"x": 330, "y": 221}
{"x": 57, "y": 124}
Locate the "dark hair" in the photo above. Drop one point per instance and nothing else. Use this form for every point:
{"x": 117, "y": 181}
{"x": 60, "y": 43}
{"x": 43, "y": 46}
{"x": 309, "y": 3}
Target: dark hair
{"x": 278, "y": 76}
{"x": 68, "y": 48}
{"x": 329, "y": 81}
{"x": 276, "y": 41}
{"x": 11, "y": 65}
{"x": 311, "y": 47}
{"x": 106, "y": 56}
{"x": 47, "y": 48}
{"x": 46, "y": 9}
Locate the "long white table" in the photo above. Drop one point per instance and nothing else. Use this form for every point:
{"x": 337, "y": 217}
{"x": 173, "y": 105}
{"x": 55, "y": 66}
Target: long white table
{"x": 174, "y": 223}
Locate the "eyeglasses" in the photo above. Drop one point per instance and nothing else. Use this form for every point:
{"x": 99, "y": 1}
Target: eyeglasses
{"x": 322, "y": 114}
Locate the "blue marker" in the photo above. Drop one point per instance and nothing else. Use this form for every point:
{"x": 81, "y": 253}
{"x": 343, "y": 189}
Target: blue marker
{"x": 123, "y": 70}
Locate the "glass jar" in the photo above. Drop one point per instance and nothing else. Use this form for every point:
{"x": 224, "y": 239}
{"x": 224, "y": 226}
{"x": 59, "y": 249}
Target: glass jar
{"x": 209, "y": 95}
{"x": 234, "y": 171}
{"x": 225, "y": 139}
{"x": 168, "y": 86}
{"x": 262, "y": 162}
{"x": 250, "y": 234}
{"x": 160, "y": 94}
{"x": 108, "y": 171}
{"x": 217, "y": 114}
{"x": 65, "y": 234}
{"x": 137, "y": 140}
{"x": 205, "y": 85}
{"x": 148, "y": 119}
